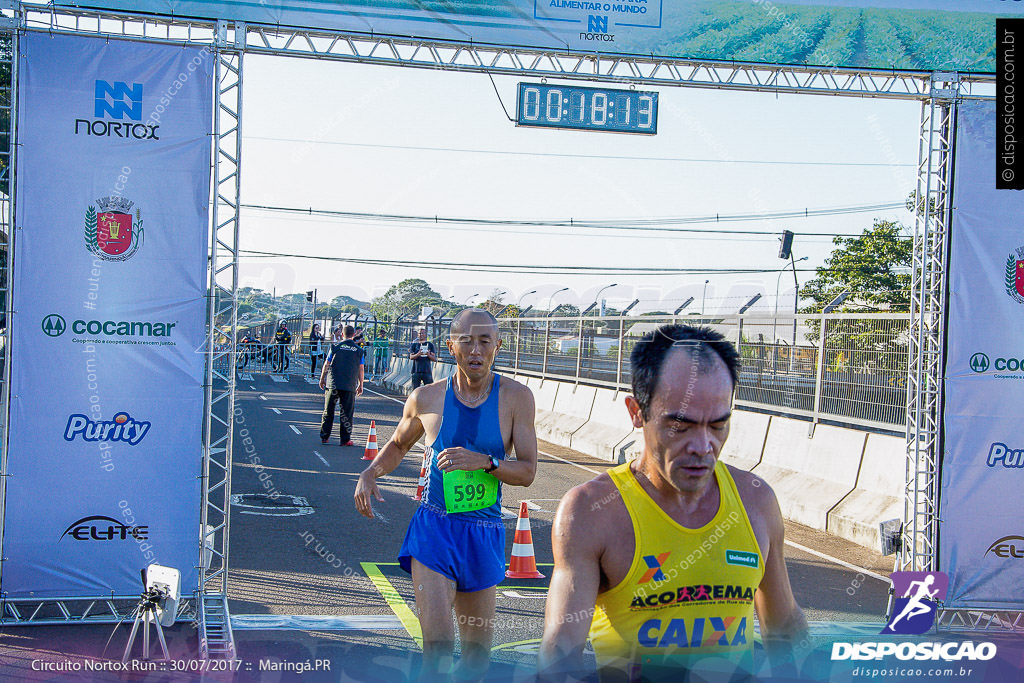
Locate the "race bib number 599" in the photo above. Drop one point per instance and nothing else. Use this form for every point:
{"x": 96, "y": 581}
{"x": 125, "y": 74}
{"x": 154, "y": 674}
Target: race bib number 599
{"x": 465, "y": 491}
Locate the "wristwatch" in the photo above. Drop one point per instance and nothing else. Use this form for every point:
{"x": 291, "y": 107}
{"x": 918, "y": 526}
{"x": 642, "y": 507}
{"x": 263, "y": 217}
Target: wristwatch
{"x": 494, "y": 464}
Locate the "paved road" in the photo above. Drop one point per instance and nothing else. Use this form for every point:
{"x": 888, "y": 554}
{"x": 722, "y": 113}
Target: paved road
{"x": 314, "y": 555}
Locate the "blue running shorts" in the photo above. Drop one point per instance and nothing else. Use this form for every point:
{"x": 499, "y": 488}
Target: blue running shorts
{"x": 470, "y": 552}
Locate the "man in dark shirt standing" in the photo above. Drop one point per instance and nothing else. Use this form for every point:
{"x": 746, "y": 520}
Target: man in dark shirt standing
{"x": 422, "y": 353}
{"x": 342, "y": 380}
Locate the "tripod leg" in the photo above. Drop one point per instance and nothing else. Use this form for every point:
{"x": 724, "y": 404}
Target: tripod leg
{"x": 131, "y": 638}
{"x": 145, "y": 634}
{"x": 160, "y": 637}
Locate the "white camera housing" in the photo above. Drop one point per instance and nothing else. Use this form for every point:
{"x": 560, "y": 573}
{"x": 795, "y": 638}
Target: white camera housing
{"x": 167, "y": 581}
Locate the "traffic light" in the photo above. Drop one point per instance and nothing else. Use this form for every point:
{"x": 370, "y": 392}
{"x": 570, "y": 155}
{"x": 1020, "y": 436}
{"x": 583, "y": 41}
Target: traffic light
{"x": 309, "y": 296}
{"x": 786, "y": 248}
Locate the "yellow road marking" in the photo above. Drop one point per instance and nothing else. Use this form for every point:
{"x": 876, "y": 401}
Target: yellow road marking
{"x": 395, "y": 601}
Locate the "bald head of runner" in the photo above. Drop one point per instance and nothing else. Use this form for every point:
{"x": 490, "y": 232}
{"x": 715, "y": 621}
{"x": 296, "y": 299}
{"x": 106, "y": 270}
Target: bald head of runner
{"x": 473, "y": 341}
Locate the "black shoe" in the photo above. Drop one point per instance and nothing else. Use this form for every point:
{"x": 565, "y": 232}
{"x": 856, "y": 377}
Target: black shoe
{"x": 323, "y": 439}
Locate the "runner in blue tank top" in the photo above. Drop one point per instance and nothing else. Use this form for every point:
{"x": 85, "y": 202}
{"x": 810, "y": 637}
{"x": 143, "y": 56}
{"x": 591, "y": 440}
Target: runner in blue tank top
{"x": 455, "y": 544}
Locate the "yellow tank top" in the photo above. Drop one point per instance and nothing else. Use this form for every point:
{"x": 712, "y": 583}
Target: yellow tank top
{"x": 688, "y": 591}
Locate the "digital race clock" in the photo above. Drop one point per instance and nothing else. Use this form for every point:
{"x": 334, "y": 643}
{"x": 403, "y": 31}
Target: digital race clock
{"x": 573, "y": 107}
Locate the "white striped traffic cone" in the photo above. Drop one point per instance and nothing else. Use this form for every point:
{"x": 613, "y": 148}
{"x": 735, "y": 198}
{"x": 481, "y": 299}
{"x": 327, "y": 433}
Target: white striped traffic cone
{"x": 524, "y": 561}
{"x": 423, "y": 476}
{"x": 371, "y": 442}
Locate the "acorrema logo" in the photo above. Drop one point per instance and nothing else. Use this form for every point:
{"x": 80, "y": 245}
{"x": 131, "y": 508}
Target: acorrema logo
{"x": 947, "y": 652}
{"x": 100, "y": 528}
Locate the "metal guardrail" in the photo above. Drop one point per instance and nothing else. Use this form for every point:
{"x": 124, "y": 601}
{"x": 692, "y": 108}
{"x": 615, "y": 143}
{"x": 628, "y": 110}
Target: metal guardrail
{"x": 843, "y": 367}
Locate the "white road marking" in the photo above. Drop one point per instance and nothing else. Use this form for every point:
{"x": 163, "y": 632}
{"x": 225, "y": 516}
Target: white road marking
{"x": 276, "y": 410}
{"x": 570, "y": 462}
{"x": 304, "y": 622}
{"x": 295, "y": 429}
{"x": 262, "y": 397}
{"x": 539, "y": 595}
{"x": 860, "y": 570}
{"x": 253, "y": 387}
{"x": 321, "y": 458}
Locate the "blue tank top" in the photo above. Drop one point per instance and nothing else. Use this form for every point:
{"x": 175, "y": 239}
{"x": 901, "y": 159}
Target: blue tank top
{"x": 476, "y": 429}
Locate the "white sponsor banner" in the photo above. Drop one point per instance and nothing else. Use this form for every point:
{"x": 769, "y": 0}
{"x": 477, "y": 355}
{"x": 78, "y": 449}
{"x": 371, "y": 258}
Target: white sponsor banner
{"x": 981, "y": 543}
{"x": 105, "y": 442}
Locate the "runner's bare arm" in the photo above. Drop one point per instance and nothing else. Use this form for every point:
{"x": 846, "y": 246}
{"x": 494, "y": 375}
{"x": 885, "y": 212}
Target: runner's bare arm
{"x": 408, "y": 432}
{"x": 573, "y": 591}
{"x": 783, "y": 623}
{"x": 518, "y": 472}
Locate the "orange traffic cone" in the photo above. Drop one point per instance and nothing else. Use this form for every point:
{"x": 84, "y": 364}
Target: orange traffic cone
{"x": 371, "y": 442}
{"x": 423, "y": 476}
{"x": 524, "y": 562}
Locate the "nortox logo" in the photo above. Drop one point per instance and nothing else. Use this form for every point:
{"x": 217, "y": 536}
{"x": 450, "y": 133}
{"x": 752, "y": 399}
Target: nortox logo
{"x": 116, "y": 105}
{"x": 597, "y": 29}
{"x": 121, "y": 428}
{"x": 118, "y": 100}
{"x": 1008, "y": 546}
{"x": 93, "y": 528}
{"x": 913, "y": 612}
{"x": 54, "y": 325}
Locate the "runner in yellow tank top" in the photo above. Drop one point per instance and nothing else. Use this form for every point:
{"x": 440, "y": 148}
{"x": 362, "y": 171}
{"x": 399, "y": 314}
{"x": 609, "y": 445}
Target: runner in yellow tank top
{"x": 663, "y": 561}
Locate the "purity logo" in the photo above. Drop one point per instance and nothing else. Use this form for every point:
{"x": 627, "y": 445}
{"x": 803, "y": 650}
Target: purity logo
{"x": 913, "y": 612}
{"x": 121, "y": 428}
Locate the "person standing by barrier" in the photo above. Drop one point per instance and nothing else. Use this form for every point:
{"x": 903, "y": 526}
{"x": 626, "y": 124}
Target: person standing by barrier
{"x": 316, "y": 342}
{"x": 665, "y": 559}
{"x": 422, "y": 353}
{"x": 380, "y": 354}
{"x": 455, "y": 544}
{"x": 341, "y": 380}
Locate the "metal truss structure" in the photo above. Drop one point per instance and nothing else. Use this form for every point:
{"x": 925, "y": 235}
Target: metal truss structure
{"x": 919, "y": 543}
{"x": 938, "y": 92}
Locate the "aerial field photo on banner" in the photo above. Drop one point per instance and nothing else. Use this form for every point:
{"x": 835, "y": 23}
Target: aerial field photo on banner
{"x": 921, "y": 35}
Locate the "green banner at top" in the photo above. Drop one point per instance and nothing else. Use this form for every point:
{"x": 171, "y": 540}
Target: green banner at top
{"x": 928, "y": 35}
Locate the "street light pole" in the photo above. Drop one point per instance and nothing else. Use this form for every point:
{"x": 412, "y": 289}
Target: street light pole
{"x": 547, "y": 331}
{"x": 704, "y": 297}
{"x": 597, "y": 299}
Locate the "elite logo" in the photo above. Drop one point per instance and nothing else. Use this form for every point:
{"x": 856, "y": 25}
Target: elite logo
{"x": 102, "y": 528}
{"x": 111, "y": 234}
{"x": 913, "y": 611}
{"x": 654, "y": 568}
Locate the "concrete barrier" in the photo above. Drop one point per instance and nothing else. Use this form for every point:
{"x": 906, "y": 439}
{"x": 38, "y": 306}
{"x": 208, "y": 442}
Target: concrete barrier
{"x": 747, "y": 434}
{"x": 878, "y": 494}
{"x": 570, "y": 411}
{"x": 810, "y": 475}
{"x": 401, "y": 379}
{"x": 443, "y": 370}
{"x": 608, "y": 428}
{"x": 393, "y": 369}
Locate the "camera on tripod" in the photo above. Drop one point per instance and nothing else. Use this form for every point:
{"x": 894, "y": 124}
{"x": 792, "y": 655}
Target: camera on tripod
{"x": 158, "y": 605}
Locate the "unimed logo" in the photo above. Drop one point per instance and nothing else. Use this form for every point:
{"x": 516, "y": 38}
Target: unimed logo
{"x": 118, "y": 100}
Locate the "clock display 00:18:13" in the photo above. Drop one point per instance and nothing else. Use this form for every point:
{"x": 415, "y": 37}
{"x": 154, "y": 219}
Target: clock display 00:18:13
{"x": 587, "y": 108}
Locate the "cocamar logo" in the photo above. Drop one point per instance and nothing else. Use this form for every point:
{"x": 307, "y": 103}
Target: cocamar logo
{"x": 54, "y": 326}
{"x": 980, "y": 362}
